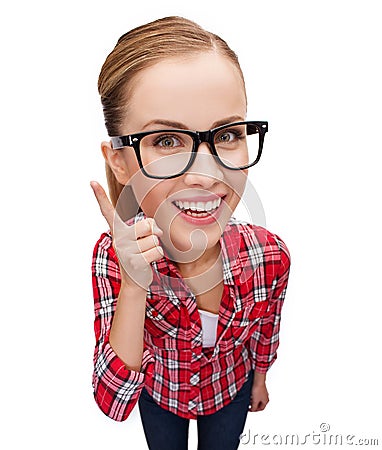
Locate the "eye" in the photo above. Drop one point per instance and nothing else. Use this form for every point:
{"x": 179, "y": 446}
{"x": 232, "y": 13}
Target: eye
{"x": 227, "y": 136}
{"x": 167, "y": 141}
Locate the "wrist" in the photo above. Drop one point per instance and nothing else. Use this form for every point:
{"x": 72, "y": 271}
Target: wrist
{"x": 259, "y": 379}
{"x": 131, "y": 290}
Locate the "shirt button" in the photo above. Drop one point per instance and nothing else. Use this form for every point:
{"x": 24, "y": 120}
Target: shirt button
{"x": 154, "y": 313}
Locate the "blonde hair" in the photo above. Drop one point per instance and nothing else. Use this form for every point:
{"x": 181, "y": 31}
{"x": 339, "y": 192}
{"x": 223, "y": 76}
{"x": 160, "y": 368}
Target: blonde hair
{"x": 139, "y": 49}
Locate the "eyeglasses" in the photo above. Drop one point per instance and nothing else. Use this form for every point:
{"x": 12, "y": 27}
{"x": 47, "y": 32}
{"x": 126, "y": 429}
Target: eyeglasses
{"x": 164, "y": 154}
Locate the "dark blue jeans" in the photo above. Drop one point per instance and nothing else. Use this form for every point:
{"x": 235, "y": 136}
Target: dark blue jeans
{"x": 219, "y": 431}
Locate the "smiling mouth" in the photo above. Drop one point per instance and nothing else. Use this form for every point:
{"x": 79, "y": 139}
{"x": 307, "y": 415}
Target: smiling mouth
{"x": 198, "y": 209}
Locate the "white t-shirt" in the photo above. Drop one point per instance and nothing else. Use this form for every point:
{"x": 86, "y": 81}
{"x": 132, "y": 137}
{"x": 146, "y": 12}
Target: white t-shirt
{"x": 209, "y": 327}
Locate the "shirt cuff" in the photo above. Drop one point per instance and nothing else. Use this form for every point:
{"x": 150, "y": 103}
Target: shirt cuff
{"x": 117, "y": 388}
{"x": 263, "y": 367}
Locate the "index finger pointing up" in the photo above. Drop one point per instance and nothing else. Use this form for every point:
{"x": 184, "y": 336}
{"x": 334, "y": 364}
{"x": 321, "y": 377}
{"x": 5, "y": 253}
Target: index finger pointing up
{"x": 107, "y": 209}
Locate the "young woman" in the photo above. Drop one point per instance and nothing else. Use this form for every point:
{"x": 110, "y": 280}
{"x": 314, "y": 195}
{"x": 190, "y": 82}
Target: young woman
{"x": 187, "y": 299}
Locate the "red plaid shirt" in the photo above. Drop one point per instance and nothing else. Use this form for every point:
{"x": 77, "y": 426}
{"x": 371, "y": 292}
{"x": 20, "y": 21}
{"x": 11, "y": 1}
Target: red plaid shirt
{"x": 177, "y": 372}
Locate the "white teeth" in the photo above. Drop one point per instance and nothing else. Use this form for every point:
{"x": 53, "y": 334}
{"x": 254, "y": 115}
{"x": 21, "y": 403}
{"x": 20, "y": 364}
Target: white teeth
{"x": 198, "y": 206}
{"x": 194, "y": 214}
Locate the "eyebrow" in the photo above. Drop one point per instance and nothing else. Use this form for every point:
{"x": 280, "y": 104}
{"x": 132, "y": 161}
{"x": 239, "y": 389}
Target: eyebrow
{"x": 182, "y": 126}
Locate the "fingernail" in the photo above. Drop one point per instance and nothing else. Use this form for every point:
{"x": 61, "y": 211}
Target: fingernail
{"x": 160, "y": 250}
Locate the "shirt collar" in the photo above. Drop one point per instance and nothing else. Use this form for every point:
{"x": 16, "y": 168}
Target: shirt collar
{"x": 230, "y": 242}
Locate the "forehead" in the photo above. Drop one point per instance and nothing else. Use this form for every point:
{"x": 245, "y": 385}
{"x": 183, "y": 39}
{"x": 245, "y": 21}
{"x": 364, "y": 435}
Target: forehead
{"x": 197, "y": 91}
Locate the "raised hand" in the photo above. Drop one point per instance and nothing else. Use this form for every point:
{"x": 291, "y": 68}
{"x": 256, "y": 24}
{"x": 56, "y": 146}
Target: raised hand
{"x": 136, "y": 246}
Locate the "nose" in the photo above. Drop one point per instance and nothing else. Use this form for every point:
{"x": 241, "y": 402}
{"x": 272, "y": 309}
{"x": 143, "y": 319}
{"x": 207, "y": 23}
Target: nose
{"x": 205, "y": 170}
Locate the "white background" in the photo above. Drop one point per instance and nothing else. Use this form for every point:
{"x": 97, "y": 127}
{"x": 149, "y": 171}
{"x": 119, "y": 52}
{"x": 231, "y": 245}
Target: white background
{"x": 313, "y": 70}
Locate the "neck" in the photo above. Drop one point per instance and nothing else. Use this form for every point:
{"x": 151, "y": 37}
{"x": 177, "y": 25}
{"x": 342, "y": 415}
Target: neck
{"x": 197, "y": 262}
{"x": 204, "y": 273}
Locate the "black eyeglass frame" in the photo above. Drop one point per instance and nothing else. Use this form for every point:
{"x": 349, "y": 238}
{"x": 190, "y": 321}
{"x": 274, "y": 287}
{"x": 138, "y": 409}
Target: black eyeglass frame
{"x": 198, "y": 137}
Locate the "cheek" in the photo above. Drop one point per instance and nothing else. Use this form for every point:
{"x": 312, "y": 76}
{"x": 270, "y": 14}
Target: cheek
{"x": 152, "y": 195}
{"x": 152, "y": 204}
{"x": 236, "y": 182}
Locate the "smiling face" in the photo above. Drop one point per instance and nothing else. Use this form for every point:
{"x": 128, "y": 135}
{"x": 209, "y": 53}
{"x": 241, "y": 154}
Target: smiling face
{"x": 197, "y": 93}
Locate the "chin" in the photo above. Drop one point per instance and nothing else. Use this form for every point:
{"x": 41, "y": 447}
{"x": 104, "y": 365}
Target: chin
{"x": 195, "y": 239}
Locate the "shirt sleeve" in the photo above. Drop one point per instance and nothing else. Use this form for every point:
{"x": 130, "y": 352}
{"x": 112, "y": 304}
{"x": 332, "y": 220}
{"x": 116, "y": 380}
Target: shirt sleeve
{"x": 116, "y": 388}
{"x": 265, "y": 340}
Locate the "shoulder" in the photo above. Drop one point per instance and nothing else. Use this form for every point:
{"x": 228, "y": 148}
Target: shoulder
{"x": 259, "y": 242}
{"x": 104, "y": 261}
{"x": 103, "y": 245}
{"x": 104, "y": 242}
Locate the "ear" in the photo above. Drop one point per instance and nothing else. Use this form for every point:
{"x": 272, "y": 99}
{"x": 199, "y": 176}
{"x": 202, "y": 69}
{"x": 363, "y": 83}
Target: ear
{"x": 116, "y": 161}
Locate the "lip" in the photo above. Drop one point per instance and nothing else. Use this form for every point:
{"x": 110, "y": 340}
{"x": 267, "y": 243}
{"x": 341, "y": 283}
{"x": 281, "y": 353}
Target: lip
{"x": 206, "y": 220}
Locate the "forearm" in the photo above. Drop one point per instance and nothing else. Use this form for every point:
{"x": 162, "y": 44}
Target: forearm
{"x": 126, "y": 333}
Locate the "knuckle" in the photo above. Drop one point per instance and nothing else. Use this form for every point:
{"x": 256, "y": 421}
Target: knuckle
{"x": 135, "y": 231}
{"x": 150, "y": 224}
{"x": 138, "y": 229}
{"x": 140, "y": 247}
